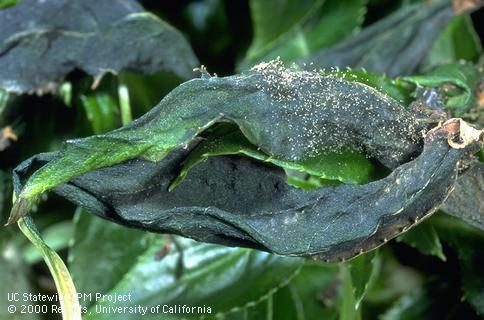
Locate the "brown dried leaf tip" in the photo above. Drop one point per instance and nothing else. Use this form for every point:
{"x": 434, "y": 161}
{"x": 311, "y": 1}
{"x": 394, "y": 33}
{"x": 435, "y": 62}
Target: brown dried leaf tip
{"x": 7, "y": 135}
{"x": 459, "y": 133}
{"x": 20, "y": 208}
{"x": 461, "y": 6}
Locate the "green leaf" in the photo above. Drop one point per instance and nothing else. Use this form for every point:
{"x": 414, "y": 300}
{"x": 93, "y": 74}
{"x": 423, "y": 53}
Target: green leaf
{"x": 394, "y": 280}
{"x": 314, "y": 291}
{"x": 305, "y": 181}
{"x": 97, "y": 37}
{"x": 347, "y": 166}
{"x": 220, "y": 278}
{"x": 459, "y": 82}
{"x": 5, "y": 195}
{"x": 15, "y": 280}
{"x": 349, "y": 307}
{"x": 395, "y": 45}
{"x": 8, "y": 3}
{"x": 472, "y": 279}
{"x": 65, "y": 93}
{"x": 311, "y": 295}
{"x": 102, "y": 111}
{"x": 102, "y": 253}
{"x": 3, "y": 100}
{"x": 145, "y": 91}
{"x": 267, "y": 31}
{"x": 363, "y": 271}
{"x": 57, "y": 237}
{"x": 124, "y": 105}
{"x": 466, "y": 240}
{"x": 458, "y": 41}
{"x": 413, "y": 305}
{"x": 425, "y": 239}
{"x": 303, "y": 28}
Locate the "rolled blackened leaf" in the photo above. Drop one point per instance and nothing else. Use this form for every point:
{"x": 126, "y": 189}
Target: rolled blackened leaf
{"x": 287, "y": 114}
{"x": 466, "y": 202}
{"x": 395, "y": 45}
{"x": 240, "y": 202}
{"x": 42, "y": 41}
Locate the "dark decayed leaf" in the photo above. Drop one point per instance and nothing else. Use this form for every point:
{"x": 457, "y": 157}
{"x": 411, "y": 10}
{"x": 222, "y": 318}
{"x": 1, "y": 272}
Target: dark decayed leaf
{"x": 235, "y": 201}
{"x": 124, "y": 175}
{"x": 396, "y": 45}
{"x": 466, "y": 202}
{"x": 39, "y": 44}
{"x": 291, "y": 115}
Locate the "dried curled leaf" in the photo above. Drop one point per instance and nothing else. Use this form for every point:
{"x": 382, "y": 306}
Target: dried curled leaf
{"x": 7, "y": 135}
{"x": 39, "y": 44}
{"x": 236, "y": 201}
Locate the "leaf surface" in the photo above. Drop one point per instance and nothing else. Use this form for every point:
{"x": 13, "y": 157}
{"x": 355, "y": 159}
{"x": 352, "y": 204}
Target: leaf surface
{"x": 395, "y": 45}
{"x": 459, "y": 81}
{"x": 304, "y": 27}
{"x": 346, "y": 166}
{"x": 425, "y": 239}
{"x": 466, "y": 202}
{"x": 220, "y": 278}
{"x": 466, "y": 241}
{"x": 457, "y": 41}
{"x": 334, "y": 223}
{"x": 96, "y": 245}
{"x": 363, "y": 271}
{"x": 39, "y": 46}
{"x": 290, "y": 115}
{"x": 15, "y": 279}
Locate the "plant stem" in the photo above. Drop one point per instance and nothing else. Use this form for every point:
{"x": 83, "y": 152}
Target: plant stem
{"x": 69, "y": 302}
{"x": 124, "y": 104}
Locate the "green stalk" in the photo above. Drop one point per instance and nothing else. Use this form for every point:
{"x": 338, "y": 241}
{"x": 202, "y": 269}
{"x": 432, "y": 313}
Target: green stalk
{"x": 69, "y": 302}
{"x": 124, "y": 105}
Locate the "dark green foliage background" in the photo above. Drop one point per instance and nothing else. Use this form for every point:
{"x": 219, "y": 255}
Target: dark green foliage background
{"x": 432, "y": 272}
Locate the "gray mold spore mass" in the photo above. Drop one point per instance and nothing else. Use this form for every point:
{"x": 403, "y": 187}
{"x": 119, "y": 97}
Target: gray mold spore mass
{"x": 327, "y": 113}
